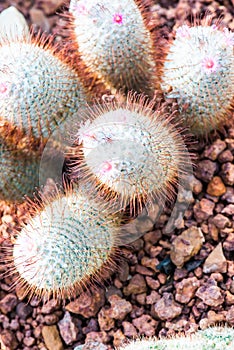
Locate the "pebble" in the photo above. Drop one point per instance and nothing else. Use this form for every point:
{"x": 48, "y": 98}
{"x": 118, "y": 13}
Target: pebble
{"x": 68, "y": 329}
{"x": 229, "y": 209}
{"x": 186, "y": 245}
{"x": 213, "y": 151}
{"x": 106, "y": 322}
{"x": 88, "y": 303}
{"x": 226, "y": 156}
{"x": 129, "y": 330}
{"x": 146, "y": 325}
{"x": 229, "y": 298}
{"x": 50, "y": 306}
{"x": 186, "y": 289}
{"x": 203, "y": 209}
{"x": 221, "y": 221}
{"x": 210, "y": 294}
{"x": 39, "y": 19}
{"x": 205, "y": 170}
{"x": 8, "y": 303}
{"x": 23, "y": 310}
{"x": 216, "y": 261}
{"x": 229, "y": 195}
{"x": 230, "y": 315}
{"x": 119, "y": 307}
{"x": 119, "y": 338}
{"x": 50, "y": 6}
{"x": 216, "y": 187}
{"x": 52, "y": 338}
{"x": 8, "y": 340}
{"x": 137, "y": 285}
{"x": 29, "y": 341}
{"x": 227, "y": 173}
{"x": 166, "y": 308}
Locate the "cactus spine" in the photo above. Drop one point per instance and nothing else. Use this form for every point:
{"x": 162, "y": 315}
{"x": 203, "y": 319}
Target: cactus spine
{"x": 114, "y": 42}
{"x": 68, "y": 244}
{"x": 199, "y": 72}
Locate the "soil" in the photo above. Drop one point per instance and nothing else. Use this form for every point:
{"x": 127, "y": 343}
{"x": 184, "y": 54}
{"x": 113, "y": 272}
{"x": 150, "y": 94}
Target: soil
{"x": 158, "y": 290}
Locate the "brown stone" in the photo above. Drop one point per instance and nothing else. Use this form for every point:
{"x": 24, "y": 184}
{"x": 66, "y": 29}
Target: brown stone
{"x": 8, "y": 340}
{"x": 215, "y": 149}
{"x": 52, "y": 338}
{"x": 8, "y": 303}
{"x": 146, "y": 325}
{"x": 205, "y": 170}
{"x": 88, "y": 303}
{"x": 221, "y": 221}
{"x": 166, "y": 308}
{"x": 185, "y": 290}
{"x": 216, "y": 261}
{"x": 216, "y": 187}
{"x": 203, "y": 209}
{"x": 106, "y": 322}
{"x": 136, "y": 285}
{"x": 129, "y": 330}
{"x": 186, "y": 245}
{"x": 119, "y": 307}
{"x": 210, "y": 294}
{"x": 227, "y": 173}
{"x": 230, "y": 315}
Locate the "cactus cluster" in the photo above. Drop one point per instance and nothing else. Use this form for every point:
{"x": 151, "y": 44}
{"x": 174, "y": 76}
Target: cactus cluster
{"x": 128, "y": 151}
{"x": 213, "y": 338}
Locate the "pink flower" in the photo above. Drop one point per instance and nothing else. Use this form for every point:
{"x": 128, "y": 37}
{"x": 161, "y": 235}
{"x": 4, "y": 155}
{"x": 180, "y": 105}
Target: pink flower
{"x": 210, "y": 64}
{"x": 106, "y": 167}
{"x": 3, "y": 89}
{"x": 118, "y": 18}
{"x": 183, "y": 32}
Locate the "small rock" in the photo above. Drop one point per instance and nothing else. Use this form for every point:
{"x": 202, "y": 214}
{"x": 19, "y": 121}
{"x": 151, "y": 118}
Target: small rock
{"x": 229, "y": 298}
{"x": 214, "y": 150}
{"x": 68, "y": 329}
{"x": 205, "y": 170}
{"x": 146, "y": 325}
{"x": 119, "y": 307}
{"x": 203, "y": 209}
{"x": 221, "y": 221}
{"x": 50, "y": 306}
{"x": 119, "y": 338}
{"x": 227, "y": 173}
{"x": 137, "y": 285}
{"x": 50, "y": 6}
{"x": 230, "y": 315}
{"x": 186, "y": 245}
{"x": 185, "y": 290}
{"x": 8, "y": 340}
{"x": 229, "y": 209}
{"x": 216, "y": 187}
{"x": 29, "y": 341}
{"x": 228, "y": 244}
{"x": 88, "y": 303}
{"x": 216, "y": 261}
{"x": 106, "y": 322}
{"x": 100, "y": 337}
{"x": 166, "y": 308}
{"x": 52, "y": 338}
{"x": 39, "y": 19}
{"x": 24, "y": 310}
{"x": 197, "y": 186}
{"x": 210, "y": 294}
{"x": 129, "y": 330}
{"x": 225, "y": 156}
{"x": 229, "y": 195}
{"x": 8, "y": 303}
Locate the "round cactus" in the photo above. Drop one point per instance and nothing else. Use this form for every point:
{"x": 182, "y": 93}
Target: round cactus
{"x": 114, "y": 42}
{"x": 215, "y": 338}
{"x": 199, "y": 72}
{"x": 66, "y": 245}
{"x": 19, "y": 173}
{"x": 38, "y": 88}
{"x": 131, "y": 153}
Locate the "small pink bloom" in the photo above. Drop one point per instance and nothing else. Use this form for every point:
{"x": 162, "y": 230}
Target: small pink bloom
{"x": 3, "y": 88}
{"x": 183, "y": 32}
{"x": 106, "y": 167}
{"x": 214, "y": 27}
{"x": 118, "y": 18}
{"x": 210, "y": 64}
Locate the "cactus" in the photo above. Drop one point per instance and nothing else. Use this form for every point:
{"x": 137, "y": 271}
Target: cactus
{"x": 130, "y": 152}
{"x": 38, "y": 88}
{"x": 67, "y": 245}
{"x": 214, "y": 338}
{"x": 199, "y": 72}
{"x": 115, "y": 43}
{"x": 19, "y": 175}
{"x": 12, "y": 24}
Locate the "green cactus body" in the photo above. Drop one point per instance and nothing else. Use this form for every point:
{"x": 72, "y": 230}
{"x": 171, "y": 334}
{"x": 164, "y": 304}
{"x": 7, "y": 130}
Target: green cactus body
{"x": 38, "y": 88}
{"x": 130, "y": 152}
{"x": 199, "y": 72}
{"x": 64, "y": 246}
{"x": 215, "y": 338}
{"x": 19, "y": 174}
{"x": 114, "y": 42}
